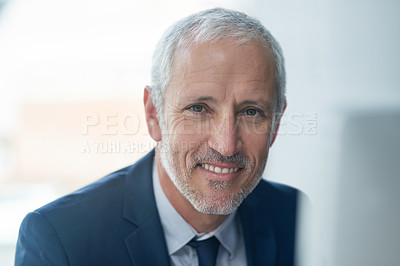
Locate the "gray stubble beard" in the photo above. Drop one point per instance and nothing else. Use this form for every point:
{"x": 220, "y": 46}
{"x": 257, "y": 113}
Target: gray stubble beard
{"x": 168, "y": 158}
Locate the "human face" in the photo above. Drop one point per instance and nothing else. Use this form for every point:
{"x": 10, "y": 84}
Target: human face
{"x": 216, "y": 130}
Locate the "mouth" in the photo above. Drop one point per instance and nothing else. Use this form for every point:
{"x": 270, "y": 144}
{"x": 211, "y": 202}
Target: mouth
{"x": 219, "y": 170}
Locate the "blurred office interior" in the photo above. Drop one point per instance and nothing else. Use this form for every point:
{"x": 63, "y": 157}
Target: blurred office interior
{"x": 72, "y": 75}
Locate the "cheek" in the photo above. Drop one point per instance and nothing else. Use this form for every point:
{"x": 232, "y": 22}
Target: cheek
{"x": 182, "y": 125}
{"x": 187, "y": 133}
{"x": 255, "y": 128}
{"x": 256, "y": 145}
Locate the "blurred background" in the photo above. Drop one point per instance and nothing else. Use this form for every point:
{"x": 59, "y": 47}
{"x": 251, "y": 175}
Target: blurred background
{"x": 72, "y": 75}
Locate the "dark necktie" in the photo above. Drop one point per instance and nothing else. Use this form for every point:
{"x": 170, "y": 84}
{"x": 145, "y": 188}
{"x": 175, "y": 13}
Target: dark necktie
{"x": 207, "y": 250}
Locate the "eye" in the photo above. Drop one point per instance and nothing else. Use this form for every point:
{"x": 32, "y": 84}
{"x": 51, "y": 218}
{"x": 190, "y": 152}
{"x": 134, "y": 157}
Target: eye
{"x": 251, "y": 112}
{"x": 197, "y": 108}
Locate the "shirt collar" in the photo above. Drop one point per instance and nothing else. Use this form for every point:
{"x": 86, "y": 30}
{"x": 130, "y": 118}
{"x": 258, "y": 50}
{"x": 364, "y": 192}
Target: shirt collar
{"x": 178, "y": 232}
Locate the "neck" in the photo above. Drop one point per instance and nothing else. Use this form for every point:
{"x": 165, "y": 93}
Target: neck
{"x": 201, "y": 222}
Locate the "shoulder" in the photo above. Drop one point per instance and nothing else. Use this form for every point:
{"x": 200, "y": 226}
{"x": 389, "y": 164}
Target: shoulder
{"x": 92, "y": 216}
{"x": 105, "y": 195}
{"x": 46, "y": 235}
{"x": 98, "y": 193}
{"x": 275, "y": 191}
{"x": 60, "y": 232}
{"x": 36, "y": 231}
{"x": 97, "y": 205}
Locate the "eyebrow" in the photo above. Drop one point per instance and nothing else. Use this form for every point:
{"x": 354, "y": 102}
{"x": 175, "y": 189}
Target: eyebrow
{"x": 206, "y": 98}
{"x": 267, "y": 106}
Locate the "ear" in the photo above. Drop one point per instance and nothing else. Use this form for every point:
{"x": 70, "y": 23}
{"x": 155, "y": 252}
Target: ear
{"x": 151, "y": 115}
{"x": 277, "y": 122}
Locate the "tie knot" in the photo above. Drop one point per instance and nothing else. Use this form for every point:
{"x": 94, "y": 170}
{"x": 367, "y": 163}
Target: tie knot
{"x": 207, "y": 250}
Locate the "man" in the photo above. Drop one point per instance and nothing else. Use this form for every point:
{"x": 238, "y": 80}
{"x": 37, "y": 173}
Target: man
{"x": 214, "y": 107}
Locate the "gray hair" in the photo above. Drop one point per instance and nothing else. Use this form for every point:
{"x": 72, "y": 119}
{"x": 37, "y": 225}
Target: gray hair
{"x": 211, "y": 25}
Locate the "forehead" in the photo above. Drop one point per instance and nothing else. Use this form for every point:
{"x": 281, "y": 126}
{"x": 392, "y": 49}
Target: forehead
{"x": 209, "y": 66}
{"x": 199, "y": 55}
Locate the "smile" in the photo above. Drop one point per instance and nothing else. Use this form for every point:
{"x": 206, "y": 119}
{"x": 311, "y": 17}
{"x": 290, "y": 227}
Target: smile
{"x": 219, "y": 170}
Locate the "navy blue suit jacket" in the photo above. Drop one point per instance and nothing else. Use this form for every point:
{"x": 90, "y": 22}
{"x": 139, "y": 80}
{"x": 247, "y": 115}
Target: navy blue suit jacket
{"x": 114, "y": 221}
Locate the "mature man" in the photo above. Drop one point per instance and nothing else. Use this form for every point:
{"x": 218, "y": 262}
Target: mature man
{"x": 217, "y": 96}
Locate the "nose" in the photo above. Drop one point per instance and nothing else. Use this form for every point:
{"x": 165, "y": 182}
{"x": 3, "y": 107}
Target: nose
{"x": 224, "y": 136}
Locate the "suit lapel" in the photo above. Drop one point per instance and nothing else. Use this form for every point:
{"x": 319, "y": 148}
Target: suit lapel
{"x": 259, "y": 238}
{"x": 146, "y": 244}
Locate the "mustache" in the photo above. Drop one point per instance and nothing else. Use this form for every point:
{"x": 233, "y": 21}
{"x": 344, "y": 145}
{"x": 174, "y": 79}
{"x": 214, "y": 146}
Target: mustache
{"x": 213, "y": 156}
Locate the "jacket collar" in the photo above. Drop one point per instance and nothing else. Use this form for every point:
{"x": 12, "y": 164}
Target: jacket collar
{"x": 140, "y": 209}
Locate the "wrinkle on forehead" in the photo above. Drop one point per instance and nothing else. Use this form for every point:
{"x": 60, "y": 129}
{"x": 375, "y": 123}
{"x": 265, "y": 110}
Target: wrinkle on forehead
{"x": 188, "y": 79}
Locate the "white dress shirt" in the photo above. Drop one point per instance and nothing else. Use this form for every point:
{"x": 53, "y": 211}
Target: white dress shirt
{"x": 178, "y": 233}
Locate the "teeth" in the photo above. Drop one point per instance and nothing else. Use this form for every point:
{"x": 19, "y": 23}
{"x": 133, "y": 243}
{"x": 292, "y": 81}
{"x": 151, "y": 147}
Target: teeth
{"x": 219, "y": 170}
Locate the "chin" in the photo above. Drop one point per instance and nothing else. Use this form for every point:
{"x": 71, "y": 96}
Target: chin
{"x": 223, "y": 205}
